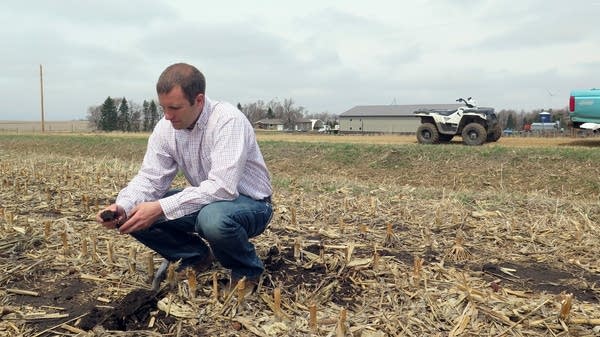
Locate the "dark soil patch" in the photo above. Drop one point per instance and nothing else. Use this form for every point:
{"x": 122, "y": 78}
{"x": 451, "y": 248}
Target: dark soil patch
{"x": 131, "y": 313}
{"x": 541, "y": 277}
{"x": 72, "y": 295}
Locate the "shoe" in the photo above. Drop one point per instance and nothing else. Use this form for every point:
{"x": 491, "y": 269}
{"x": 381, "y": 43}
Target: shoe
{"x": 250, "y": 285}
{"x": 199, "y": 267}
{"x": 181, "y": 274}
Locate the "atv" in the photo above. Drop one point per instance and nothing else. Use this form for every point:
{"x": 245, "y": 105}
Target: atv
{"x": 476, "y": 125}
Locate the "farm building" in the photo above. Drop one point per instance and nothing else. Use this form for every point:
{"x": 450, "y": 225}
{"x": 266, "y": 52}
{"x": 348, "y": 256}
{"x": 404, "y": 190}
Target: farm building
{"x": 385, "y": 118}
{"x": 301, "y": 124}
{"x": 269, "y": 124}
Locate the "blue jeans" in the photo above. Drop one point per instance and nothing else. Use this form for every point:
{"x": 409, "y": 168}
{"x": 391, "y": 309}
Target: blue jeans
{"x": 225, "y": 225}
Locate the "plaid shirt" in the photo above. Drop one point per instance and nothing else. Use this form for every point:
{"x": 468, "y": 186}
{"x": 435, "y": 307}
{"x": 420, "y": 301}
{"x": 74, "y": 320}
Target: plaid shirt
{"x": 219, "y": 157}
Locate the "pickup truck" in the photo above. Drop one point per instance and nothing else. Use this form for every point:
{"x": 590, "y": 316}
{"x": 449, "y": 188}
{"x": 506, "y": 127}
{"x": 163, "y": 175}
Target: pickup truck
{"x": 584, "y": 108}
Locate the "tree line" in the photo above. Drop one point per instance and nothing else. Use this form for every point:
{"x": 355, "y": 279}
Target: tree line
{"x": 118, "y": 114}
{"x": 511, "y": 119}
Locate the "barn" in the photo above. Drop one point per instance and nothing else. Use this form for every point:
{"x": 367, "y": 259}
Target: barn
{"x": 385, "y": 118}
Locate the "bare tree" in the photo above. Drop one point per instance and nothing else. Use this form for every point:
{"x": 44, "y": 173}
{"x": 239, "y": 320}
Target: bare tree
{"x": 255, "y": 111}
{"x": 135, "y": 111}
{"x": 94, "y": 113}
{"x": 291, "y": 114}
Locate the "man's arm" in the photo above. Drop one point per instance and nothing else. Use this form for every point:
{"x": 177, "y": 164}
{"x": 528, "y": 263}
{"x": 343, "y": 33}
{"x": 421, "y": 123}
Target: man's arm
{"x": 156, "y": 173}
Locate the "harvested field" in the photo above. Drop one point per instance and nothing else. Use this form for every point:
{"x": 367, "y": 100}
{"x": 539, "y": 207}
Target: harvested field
{"x": 372, "y": 236}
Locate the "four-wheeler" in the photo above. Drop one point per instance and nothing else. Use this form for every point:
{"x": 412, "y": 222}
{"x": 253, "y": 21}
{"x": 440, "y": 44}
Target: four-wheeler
{"x": 475, "y": 124}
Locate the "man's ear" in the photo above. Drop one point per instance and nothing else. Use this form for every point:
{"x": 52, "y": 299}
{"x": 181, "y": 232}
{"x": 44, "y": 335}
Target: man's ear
{"x": 200, "y": 100}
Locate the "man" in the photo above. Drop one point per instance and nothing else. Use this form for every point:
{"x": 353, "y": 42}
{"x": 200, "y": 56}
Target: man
{"x": 229, "y": 201}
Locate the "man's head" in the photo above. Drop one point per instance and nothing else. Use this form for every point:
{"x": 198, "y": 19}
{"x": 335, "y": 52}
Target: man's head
{"x": 180, "y": 90}
{"x": 190, "y": 79}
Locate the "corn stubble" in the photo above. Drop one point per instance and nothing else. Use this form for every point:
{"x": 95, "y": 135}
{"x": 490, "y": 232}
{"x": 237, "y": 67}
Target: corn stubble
{"x": 365, "y": 258}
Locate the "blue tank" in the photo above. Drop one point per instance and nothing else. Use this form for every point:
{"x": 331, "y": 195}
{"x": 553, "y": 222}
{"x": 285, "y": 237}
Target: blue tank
{"x": 545, "y": 117}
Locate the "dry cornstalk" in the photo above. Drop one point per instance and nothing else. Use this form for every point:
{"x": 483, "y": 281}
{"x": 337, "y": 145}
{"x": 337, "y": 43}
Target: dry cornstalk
{"x": 438, "y": 217}
{"x": 566, "y": 303}
{"x": 110, "y": 252}
{"x": 322, "y": 253}
{"x": 94, "y": 249}
{"x": 294, "y": 222}
{"x": 150, "y": 267}
{"x": 298, "y": 249}
{"x": 363, "y": 229}
{"x": 375, "y": 258}
{"x": 86, "y": 202}
{"x": 47, "y": 229}
{"x": 458, "y": 252}
{"x": 171, "y": 274}
{"x": 312, "y": 321}
{"x": 65, "y": 242}
{"x": 277, "y": 301}
{"x": 22, "y": 292}
{"x": 417, "y": 270}
{"x": 373, "y": 205}
{"x": 241, "y": 290}
{"x": 391, "y": 239}
{"x": 215, "y": 287}
{"x": 342, "y": 226}
{"x": 348, "y": 250}
{"x": 72, "y": 329}
{"x": 340, "y": 328}
{"x": 131, "y": 260}
{"x": 192, "y": 283}
{"x": 84, "y": 248}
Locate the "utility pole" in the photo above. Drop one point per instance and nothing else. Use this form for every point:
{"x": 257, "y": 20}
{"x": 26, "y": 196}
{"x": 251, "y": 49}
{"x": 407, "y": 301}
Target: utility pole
{"x": 42, "y": 98}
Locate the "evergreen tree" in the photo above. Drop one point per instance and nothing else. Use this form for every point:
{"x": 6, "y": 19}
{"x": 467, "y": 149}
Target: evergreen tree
{"x": 270, "y": 114}
{"x": 124, "y": 119}
{"x": 108, "y": 115}
{"x": 510, "y": 122}
{"x": 146, "y": 113}
{"x": 239, "y": 106}
{"x": 153, "y": 114}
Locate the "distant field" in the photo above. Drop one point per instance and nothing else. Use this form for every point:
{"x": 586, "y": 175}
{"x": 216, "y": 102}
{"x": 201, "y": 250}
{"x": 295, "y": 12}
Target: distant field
{"x": 50, "y": 126}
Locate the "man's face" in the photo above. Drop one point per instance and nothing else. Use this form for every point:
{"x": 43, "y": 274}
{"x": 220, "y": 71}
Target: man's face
{"x": 178, "y": 110}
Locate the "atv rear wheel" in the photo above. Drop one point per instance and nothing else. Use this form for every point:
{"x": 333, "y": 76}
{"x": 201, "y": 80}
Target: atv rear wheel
{"x": 494, "y": 134}
{"x": 427, "y": 133}
{"x": 474, "y": 134}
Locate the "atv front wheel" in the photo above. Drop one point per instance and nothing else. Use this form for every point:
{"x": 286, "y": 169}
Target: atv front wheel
{"x": 474, "y": 134}
{"x": 427, "y": 133}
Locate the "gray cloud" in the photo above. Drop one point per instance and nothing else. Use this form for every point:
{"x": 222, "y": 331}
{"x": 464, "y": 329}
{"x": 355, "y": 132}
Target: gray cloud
{"x": 325, "y": 57}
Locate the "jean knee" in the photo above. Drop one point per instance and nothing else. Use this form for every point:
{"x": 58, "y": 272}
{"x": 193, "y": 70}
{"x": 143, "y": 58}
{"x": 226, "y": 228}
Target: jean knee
{"x": 211, "y": 225}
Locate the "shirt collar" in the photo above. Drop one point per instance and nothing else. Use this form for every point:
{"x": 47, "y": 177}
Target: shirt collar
{"x": 204, "y": 114}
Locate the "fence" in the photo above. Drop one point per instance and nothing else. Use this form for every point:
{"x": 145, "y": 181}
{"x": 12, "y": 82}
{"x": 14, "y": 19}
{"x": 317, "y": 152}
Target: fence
{"x": 50, "y": 126}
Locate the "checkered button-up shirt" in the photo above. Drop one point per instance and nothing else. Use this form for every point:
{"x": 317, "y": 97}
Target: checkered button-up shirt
{"x": 219, "y": 157}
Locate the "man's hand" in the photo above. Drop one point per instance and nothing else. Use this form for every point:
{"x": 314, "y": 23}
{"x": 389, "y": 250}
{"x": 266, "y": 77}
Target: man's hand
{"x": 141, "y": 217}
{"x": 112, "y": 216}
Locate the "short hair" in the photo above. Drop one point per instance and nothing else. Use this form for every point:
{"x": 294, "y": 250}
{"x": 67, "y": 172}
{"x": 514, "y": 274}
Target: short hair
{"x": 190, "y": 79}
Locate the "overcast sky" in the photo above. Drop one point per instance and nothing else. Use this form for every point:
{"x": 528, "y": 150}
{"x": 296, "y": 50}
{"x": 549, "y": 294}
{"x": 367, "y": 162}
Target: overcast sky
{"x": 328, "y": 56}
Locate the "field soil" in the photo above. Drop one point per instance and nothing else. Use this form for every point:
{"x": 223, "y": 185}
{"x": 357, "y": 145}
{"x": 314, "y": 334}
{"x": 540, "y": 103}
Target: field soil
{"x": 371, "y": 236}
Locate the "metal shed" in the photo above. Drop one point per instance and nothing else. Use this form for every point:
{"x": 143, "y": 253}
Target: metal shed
{"x": 385, "y": 118}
